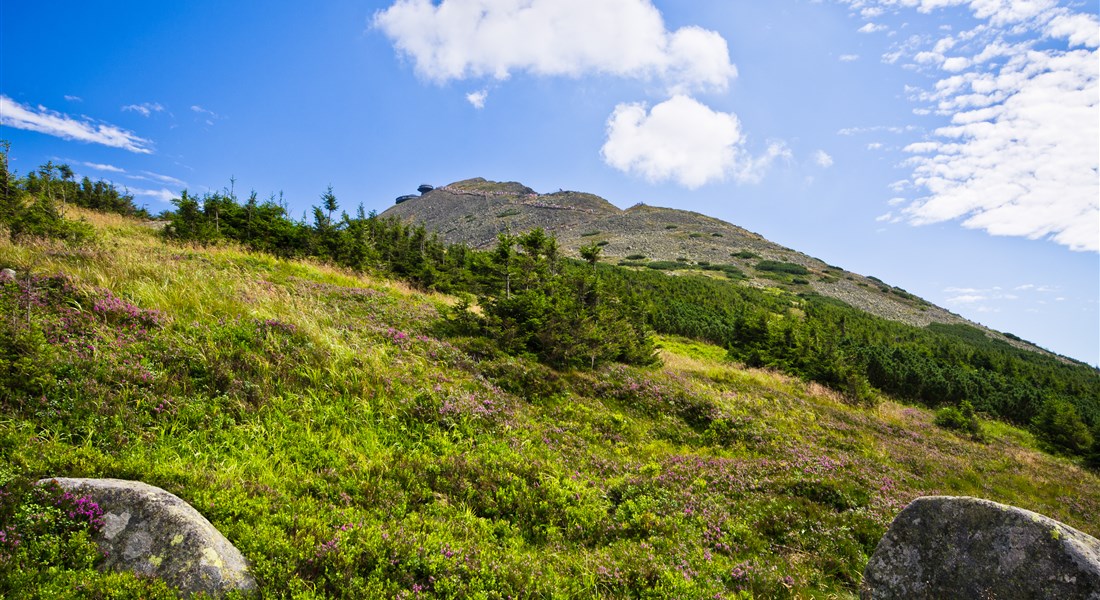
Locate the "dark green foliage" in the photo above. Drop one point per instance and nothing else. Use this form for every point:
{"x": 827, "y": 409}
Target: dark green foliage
{"x": 31, "y": 207}
{"x": 776, "y": 266}
{"x": 746, "y": 254}
{"x": 731, "y": 271}
{"x": 666, "y": 265}
{"x": 1059, "y": 425}
{"x": 961, "y": 418}
{"x": 557, "y": 311}
{"x": 636, "y": 257}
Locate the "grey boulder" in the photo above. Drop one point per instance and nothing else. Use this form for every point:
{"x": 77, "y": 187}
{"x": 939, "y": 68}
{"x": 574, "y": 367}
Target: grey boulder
{"x": 155, "y": 534}
{"x": 946, "y": 547}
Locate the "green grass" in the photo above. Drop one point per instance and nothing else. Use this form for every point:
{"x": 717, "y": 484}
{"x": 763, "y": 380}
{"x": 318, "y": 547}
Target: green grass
{"x": 320, "y": 420}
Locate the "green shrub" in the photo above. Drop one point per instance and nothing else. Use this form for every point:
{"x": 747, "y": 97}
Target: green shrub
{"x": 776, "y": 266}
{"x": 1059, "y": 425}
{"x": 961, "y": 419}
{"x": 745, "y": 254}
{"x": 666, "y": 265}
{"x": 636, "y": 257}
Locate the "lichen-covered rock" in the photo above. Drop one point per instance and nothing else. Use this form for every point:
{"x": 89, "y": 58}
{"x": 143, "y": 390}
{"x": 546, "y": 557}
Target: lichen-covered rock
{"x": 153, "y": 533}
{"x": 947, "y": 547}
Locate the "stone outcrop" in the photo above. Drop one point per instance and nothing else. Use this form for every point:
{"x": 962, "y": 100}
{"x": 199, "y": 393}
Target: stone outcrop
{"x": 946, "y": 547}
{"x": 153, "y": 533}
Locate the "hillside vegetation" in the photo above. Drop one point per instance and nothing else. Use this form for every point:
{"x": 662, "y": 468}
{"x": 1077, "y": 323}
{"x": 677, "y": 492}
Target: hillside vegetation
{"x": 360, "y": 436}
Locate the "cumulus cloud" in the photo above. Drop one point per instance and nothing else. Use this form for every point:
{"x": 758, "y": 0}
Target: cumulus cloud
{"x": 1020, "y": 155}
{"x": 477, "y": 99}
{"x": 871, "y": 28}
{"x": 460, "y": 39}
{"x": 823, "y": 159}
{"x": 49, "y": 122}
{"x": 144, "y": 109}
{"x": 684, "y": 141}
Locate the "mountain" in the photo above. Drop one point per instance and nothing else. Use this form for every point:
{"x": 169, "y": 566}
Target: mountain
{"x": 327, "y": 424}
{"x": 474, "y": 211}
{"x": 366, "y": 413}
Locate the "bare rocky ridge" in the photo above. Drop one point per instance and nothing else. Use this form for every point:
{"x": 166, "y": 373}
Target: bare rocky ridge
{"x": 474, "y": 211}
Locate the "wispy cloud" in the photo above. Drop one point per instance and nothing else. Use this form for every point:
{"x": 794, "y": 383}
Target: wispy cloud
{"x": 144, "y": 109}
{"x": 49, "y": 122}
{"x": 208, "y": 115}
{"x": 150, "y": 176}
{"x": 849, "y": 57}
{"x": 73, "y": 98}
{"x": 103, "y": 167}
{"x": 823, "y": 159}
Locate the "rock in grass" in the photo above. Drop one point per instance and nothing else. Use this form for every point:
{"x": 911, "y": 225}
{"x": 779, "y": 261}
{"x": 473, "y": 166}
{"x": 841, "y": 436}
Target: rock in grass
{"x": 153, "y": 533}
{"x": 7, "y": 275}
{"x": 947, "y": 547}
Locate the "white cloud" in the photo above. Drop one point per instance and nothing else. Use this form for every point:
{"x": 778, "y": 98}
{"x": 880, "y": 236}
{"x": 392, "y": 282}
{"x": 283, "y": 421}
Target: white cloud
{"x": 163, "y": 195}
{"x": 477, "y": 99}
{"x": 144, "y": 109}
{"x": 955, "y": 64}
{"x": 849, "y": 57}
{"x": 683, "y": 141}
{"x": 1025, "y": 163}
{"x": 1077, "y": 29}
{"x": 104, "y": 167}
{"x": 1021, "y": 153}
{"x": 966, "y": 299}
{"x": 73, "y": 98}
{"x": 150, "y": 176}
{"x": 823, "y": 159}
{"x": 44, "y": 120}
{"x": 460, "y": 39}
{"x": 871, "y": 28}
{"x": 203, "y": 111}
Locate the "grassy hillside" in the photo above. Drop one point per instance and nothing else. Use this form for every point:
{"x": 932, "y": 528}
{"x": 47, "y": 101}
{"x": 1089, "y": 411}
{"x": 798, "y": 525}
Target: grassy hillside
{"x": 328, "y": 427}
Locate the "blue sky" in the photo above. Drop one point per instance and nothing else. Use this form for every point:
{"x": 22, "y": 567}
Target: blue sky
{"x": 949, "y": 147}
